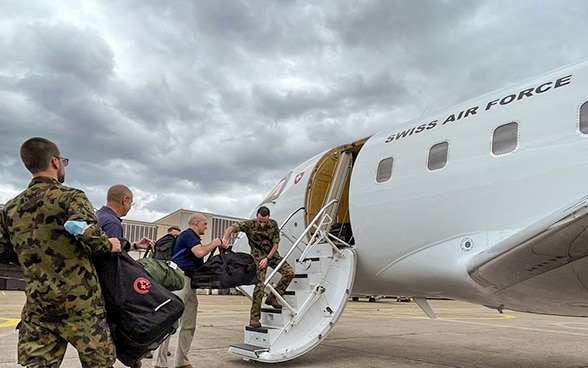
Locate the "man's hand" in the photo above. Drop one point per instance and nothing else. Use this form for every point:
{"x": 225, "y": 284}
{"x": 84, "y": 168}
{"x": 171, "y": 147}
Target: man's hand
{"x": 263, "y": 263}
{"x": 116, "y": 248}
{"x": 224, "y": 243}
{"x": 145, "y": 243}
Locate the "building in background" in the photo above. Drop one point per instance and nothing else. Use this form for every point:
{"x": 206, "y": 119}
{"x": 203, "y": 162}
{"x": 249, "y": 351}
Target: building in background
{"x": 216, "y": 224}
{"x": 135, "y": 230}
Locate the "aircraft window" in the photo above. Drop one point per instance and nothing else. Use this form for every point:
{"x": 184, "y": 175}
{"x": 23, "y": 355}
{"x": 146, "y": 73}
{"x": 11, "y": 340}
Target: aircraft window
{"x": 584, "y": 118}
{"x": 438, "y": 156}
{"x": 505, "y": 138}
{"x": 384, "y": 170}
{"x": 275, "y": 193}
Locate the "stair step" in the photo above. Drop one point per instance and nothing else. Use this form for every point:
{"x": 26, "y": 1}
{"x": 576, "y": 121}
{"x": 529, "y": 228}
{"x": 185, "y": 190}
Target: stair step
{"x": 313, "y": 259}
{"x": 300, "y": 282}
{"x": 273, "y": 317}
{"x": 297, "y": 297}
{"x": 308, "y": 266}
{"x": 257, "y": 336}
{"x": 248, "y": 350}
{"x": 272, "y": 310}
{"x": 305, "y": 281}
{"x": 320, "y": 250}
{"x": 261, "y": 336}
{"x": 256, "y": 329}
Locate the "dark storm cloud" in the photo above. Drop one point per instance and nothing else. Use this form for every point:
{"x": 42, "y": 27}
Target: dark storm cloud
{"x": 68, "y": 50}
{"x": 377, "y": 24}
{"x": 207, "y": 104}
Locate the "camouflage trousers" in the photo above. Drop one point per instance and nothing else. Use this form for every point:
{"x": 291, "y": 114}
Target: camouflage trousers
{"x": 286, "y": 272}
{"x": 43, "y": 345}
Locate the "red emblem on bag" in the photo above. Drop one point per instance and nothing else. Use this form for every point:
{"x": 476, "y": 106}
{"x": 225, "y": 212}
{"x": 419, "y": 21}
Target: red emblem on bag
{"x": 141, "y": 285}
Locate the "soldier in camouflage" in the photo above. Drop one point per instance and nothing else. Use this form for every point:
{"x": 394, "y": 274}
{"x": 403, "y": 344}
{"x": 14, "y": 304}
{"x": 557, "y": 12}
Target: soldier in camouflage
{"x": 263, "y": 235}
{"x": 64, "y": 302}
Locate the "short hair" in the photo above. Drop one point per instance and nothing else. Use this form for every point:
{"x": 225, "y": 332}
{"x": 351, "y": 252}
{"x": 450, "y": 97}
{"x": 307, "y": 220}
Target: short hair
{"x": 172, "y": 228}
{"x": 195, "y": 218}
{"x": 263, "y": 211}
{"x": 36, "y": 153}
{"x": 117, "y": 192}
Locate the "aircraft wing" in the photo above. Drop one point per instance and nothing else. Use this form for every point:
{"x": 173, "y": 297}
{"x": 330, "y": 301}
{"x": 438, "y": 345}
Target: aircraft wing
{"x": 555, "y": 241}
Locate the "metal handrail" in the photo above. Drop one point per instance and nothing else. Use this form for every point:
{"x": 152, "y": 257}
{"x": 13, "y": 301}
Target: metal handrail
{"x": 322, "y": 219}
{"x": 290, "y": 217}
{"x": 308, "y": 228}
{"x": 288, "y": 236}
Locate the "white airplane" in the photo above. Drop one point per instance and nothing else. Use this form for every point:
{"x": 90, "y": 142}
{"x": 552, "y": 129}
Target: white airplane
{"x": 484, "y": 202}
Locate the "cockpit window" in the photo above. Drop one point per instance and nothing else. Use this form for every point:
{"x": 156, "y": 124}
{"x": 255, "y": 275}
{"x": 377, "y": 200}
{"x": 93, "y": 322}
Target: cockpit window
{"x": 275, "y": 193}
{"x": 384, "y": 172}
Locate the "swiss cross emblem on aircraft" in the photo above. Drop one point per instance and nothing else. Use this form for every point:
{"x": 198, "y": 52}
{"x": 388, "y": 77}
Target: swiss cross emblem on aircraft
{"x": 298, "y": 177}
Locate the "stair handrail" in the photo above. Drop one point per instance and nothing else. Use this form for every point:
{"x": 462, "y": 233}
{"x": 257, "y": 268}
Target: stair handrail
{"x": 290, "y": 217}
{"x": 281, "y": 227}
{"x": 325, "y": 219}
{"x": 308, "y": 228}
{"x": 320, "y": 234}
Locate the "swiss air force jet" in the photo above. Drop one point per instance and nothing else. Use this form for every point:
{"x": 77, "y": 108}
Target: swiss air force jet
{"x": 484, "y": 202}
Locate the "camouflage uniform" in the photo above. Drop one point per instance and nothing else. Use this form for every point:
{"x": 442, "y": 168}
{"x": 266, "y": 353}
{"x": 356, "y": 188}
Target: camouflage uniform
{"x": 261, "y": 241}
{"x": 64, "y": 302}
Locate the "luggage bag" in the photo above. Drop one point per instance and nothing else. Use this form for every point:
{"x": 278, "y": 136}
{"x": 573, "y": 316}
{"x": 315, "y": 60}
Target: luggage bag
{"x": 225, "y": 270}
{"x": 141, "y": 312}
{"x": 166, "y": 273}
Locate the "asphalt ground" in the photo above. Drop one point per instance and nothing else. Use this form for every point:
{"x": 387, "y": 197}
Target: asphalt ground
{"x": 385, "y": 333}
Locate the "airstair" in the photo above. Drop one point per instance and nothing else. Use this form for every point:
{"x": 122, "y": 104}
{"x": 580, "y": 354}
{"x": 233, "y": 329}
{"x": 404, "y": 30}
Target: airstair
{"x": 313, "y": 302}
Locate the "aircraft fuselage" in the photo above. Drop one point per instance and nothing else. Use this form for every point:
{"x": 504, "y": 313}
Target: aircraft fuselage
{"x": 439, "y": 205}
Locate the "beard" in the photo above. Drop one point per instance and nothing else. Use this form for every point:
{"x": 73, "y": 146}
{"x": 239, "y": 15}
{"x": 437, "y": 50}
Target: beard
{"x": 61, "y": 176}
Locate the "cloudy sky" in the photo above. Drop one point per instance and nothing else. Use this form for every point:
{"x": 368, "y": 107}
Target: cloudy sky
{"x": 206, "y": 105}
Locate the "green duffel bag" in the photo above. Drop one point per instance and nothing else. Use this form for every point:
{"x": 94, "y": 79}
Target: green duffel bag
{"x": 165, "y": 272}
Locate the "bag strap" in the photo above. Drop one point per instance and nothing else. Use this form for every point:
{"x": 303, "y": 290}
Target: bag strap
{"x": 181, "y": 251}
{"x": 118, "y": 275}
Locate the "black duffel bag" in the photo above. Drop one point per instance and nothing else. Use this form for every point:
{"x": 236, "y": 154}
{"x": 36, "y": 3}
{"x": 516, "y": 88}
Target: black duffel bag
{"x": 225, "y": 270}
{"x": 140, "y": 311}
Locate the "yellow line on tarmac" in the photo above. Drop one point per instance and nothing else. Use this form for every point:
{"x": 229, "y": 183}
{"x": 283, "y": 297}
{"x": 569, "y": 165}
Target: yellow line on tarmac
{"x": 8, "y": 322}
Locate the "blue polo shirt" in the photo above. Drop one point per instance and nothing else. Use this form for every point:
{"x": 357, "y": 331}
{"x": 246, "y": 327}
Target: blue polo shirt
{"x": 182, "y": 254}
{"x": 111, "y": 224}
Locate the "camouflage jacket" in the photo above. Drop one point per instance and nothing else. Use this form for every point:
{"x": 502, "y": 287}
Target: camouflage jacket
{"x": 260, "y": 238}
{"x": 61, "y": 281}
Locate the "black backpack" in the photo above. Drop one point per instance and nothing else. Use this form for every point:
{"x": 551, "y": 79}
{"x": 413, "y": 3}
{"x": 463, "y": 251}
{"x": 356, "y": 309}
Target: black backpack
{"x": 164, "y": 247}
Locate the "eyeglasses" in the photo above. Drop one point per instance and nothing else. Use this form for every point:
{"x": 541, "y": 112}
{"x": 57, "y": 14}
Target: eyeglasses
{"x": 64, "y": 160}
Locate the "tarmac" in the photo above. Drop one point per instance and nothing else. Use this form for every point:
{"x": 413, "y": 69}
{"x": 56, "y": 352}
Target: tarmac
{"x": 385, "y": 333}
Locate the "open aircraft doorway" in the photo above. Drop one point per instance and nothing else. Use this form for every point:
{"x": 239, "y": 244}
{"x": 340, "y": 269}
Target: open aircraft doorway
{"x": 330, "y": 180}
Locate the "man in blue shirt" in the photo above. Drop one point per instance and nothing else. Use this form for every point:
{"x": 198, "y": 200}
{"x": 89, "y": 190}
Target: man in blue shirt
{"x": 119, "y": 200}
{"x": 188, "y": 254}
